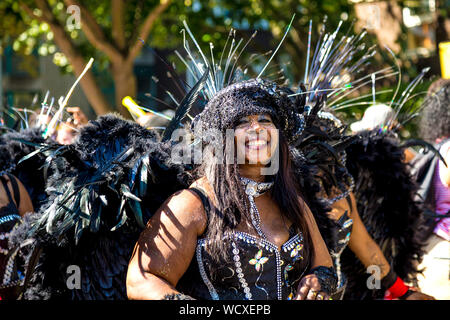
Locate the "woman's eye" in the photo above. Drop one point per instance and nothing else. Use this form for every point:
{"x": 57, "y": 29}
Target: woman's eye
{"x": 242, "y": 122}
{"x": 265, "y": 121}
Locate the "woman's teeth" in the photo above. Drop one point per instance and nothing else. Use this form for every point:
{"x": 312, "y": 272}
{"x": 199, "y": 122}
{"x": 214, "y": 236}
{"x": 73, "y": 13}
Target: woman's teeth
{"x": 257, "y": 143}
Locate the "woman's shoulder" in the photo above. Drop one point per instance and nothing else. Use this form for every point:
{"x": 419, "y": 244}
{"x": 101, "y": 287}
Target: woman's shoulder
{"x": 187, "y": 208}
{"x": 202, "y": 184}
{"x": 17, "y": 191}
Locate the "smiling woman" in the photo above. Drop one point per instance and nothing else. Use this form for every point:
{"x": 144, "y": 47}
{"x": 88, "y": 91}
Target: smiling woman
{"x": 256, "y": 139}
{"x": 239, "y": 231}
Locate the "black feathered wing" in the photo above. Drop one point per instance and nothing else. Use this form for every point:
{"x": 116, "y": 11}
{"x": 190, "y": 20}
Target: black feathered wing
{"x": 102, "y": 192}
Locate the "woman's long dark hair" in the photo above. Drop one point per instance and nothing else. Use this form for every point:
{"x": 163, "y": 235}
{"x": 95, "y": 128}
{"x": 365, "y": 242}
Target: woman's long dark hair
{"x": 287, "y": 194}
{"x": 232, "y": 204}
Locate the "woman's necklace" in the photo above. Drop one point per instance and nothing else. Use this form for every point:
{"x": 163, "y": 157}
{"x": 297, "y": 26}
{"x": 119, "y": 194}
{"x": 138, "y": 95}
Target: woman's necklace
{"x": 255, "y": 189}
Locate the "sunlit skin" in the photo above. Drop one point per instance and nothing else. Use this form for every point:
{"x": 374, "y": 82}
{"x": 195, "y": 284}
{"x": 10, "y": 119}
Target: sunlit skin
{"x": 362, "y": 244}
{"x": 166, "y": 247}
{"x": 65, "y": 134}
{"x": 67, "y": 131}
{"x": 25, "y": 206}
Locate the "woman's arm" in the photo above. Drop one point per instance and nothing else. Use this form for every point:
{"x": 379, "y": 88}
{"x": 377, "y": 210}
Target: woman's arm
{"x": 25, "y": 205}
{"x": 311, "y": 287}
{"x": 321, "y": 256}
{"x": 369, "y": 253}
{"x": 363, "y": 246}
{"x": 166, "y": 247}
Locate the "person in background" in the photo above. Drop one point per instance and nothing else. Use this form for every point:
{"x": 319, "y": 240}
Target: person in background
{"x": 435, "y": 128}
{"x": 377, "y": 116}
{"x": 67, "y": 131}
{"x": 374, "y": 117}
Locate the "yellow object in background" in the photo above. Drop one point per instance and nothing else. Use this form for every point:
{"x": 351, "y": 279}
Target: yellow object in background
{"x": 444, "y": 54}
{"x": 132, "y": 107}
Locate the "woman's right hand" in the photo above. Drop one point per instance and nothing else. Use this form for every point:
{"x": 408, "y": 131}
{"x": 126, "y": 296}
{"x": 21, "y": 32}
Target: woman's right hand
{"x": 309, "y": 289}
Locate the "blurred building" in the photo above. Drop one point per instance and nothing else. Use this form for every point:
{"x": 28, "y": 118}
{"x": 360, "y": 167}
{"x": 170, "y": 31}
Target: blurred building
{"x": 417, "y": 24}
{"x": 24, "y": 82}
{"x": 26, "y": 89}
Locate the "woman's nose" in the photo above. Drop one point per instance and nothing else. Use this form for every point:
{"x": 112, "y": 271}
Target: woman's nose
{"x": 255, "y": 125}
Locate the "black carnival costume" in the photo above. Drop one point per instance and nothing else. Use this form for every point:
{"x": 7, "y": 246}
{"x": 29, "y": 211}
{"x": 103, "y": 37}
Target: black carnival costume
{"x": 106, "y": 185}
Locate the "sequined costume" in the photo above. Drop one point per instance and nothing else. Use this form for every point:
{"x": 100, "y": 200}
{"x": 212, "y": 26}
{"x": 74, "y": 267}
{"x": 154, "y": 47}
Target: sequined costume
{"x": 257, "y": 270}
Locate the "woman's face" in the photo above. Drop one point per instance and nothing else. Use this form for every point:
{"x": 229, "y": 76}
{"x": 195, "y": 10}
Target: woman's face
{"x": 256, "y": 139}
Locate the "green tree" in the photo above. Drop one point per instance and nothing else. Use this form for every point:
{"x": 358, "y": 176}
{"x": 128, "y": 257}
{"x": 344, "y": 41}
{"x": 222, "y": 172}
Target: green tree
{"x": 110, "y": 31}
{"x": 273, "y": 16}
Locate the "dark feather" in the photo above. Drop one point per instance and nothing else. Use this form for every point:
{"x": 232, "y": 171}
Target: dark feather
{"x": 102, "y": 191}
{"x": 385, "y": 191}
{"x": 184, "y": 107}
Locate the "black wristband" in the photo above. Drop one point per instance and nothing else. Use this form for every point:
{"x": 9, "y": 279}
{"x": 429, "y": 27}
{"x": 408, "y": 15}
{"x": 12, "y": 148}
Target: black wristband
{"x": 327, "y": 278}
{"x": 406, "y": 295}
{"x": 389, "y": 279}
{"x": 177, "y": 296}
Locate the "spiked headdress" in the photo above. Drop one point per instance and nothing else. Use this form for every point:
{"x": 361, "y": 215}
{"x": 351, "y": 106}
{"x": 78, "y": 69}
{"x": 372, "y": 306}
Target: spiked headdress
{"x": 254, "y": 96}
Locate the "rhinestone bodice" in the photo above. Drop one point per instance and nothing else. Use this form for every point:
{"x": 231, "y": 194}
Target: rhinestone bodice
{"x": 257, "y": 270}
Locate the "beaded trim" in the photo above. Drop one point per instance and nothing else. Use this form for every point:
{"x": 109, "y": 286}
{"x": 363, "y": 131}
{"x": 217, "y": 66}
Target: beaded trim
{"x": 279, "y": 280}
{"x": 256, "y": 218}
{"x": 9, "y": 268}
{"x": 212, "y": 291}
{"x": 4, "y": 236}
{"x": 9, "y": 218}
{"x": 11, "y": 284}
{"x": 240, "y": 274}
{"x": 290, "y": 245}
{"x": 255, "y": 189}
